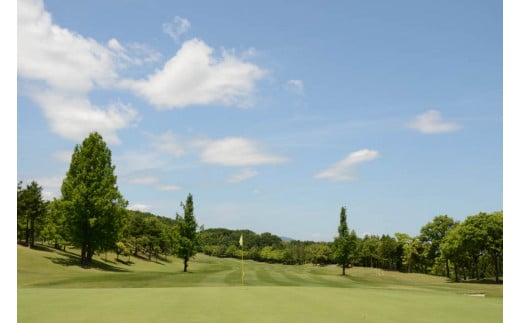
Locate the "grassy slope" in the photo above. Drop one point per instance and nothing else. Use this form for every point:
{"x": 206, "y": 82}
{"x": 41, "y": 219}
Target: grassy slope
{"x": 274, "y": 293}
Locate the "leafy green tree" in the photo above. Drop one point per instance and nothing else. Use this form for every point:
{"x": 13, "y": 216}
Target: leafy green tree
{"x": 387, "y": 251}
{"x": 54, "y": 228}
{"x": 453, "y": 248}
{"x": 343, "y": 244}
{"x": 482, "y": 235}
{"x": 31, "y": 210}
{"x": 318, "y": 253}
{"x": 433, "y": 233}
{"x": 368, "y": 250}
{"x": 187, "y": 242}
{"x": 91, "y": 199}
{"x": 495, "y": 242}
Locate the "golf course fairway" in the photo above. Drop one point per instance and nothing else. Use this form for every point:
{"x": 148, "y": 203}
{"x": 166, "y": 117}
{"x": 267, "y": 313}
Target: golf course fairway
{"x": 52, "y": 288}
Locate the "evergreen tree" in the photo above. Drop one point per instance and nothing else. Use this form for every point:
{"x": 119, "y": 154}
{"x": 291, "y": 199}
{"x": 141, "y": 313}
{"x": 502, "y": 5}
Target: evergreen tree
{"x": 91, "y": 199}
{"x": 186, "y": 236}
{"x": 343, "y": 244}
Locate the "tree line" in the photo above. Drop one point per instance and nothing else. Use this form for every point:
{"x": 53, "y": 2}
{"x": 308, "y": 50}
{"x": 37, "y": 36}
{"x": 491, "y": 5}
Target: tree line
{"x": 91, "y": 215}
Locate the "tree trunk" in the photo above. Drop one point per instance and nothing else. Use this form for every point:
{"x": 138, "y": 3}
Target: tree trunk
{"x": 83, "y": 254}
{"x": 476, "y": 267}
{"x": 31, "y": 237}
{"x": 344, "y": 265}
{"x": 27, "y": 233}
{"x": 447, "y": 269}
{"x": 185, "y": 264}
{"x": 90, "y": 253}
{"x": 497, "y": 269}
{"x": 456, "y": 272}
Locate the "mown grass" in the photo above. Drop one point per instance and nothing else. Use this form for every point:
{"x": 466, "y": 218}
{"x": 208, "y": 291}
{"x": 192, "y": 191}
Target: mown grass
{"x": 52, "y": 287}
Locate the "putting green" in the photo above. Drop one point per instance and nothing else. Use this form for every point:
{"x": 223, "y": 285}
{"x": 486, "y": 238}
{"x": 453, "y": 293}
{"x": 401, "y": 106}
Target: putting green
{"x": 251, "y": 304}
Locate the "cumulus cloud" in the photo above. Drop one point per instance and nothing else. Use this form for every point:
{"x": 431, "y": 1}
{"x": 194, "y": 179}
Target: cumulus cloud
{"x": 237, "y": 151}
{"x": 242, "y": 176}
{"x": 177, "y": 28}
{"x": 61, "y": 58}
{"x": 63, "y": 67}
{"x": 344, "y": 170}
{"x": 431, "y": 122}
{"x": 51, "y": 187}
{"x": 133, "y": 54}
{"x": 195, "y": 77}
{"x": 74, "y": 116}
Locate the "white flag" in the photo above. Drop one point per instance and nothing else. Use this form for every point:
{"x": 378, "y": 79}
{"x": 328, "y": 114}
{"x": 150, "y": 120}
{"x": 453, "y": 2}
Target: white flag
{"x": 241, "y": 241}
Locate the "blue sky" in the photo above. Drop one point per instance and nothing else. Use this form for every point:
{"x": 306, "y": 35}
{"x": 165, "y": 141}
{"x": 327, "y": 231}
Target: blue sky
{"x": 273, "y": 115}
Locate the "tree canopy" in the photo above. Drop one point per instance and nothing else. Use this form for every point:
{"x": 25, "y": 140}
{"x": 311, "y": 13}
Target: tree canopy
{"x": 91, "y": 199}
{"x": 186, "y": 235}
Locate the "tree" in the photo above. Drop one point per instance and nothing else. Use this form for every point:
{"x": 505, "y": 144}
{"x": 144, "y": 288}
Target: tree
{"x": 453, "y": 249}
{"x": 482, "y": 235}
{"x": 433, "y": 233}
{"x": 343, "y": 244}
{"x": 54, "y": 228}
{"x": 91, "y": 200}
{"x": 31, "y": 210}
{"x": 495, "y": 241}
{"x": 186, "y": 236}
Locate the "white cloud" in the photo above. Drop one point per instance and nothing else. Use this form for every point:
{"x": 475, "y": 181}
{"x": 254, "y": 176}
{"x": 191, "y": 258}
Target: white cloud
{"x": 146, "y": 180}
{"x": 296, "y": 86}
{"x": 242, "y": 176}
{"x": 62, "y": 67}
{"x": 177, "y": 28}
{"x": 139, "y": 207}
{"x": 152, "y": 181}
{"x": 132, "y": 162}
{"x": 74, "y": 117}
{"x": 51, "y": 187}
{"x": 167, "y": 143}
{"x": 62, "y": 58}
{"x": 135, "y": 54}
{"x": 344, "y": 170}
{"x": 195, "y": 77}
{"x": 431, "y": 122}
{"x": 236, "y": 151}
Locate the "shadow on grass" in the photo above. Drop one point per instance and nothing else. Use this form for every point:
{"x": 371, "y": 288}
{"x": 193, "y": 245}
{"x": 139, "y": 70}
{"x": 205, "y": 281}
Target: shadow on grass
{"x": 125, "y": 262}
{"x": 38, "y": 247}
{"x": 479, "y": 282}
{"x": 72, "y": 259}
{"x": 153, "y": 259}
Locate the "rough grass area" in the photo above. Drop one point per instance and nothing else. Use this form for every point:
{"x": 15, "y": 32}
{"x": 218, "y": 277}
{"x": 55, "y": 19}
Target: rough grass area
{"x": 53, "y": 288}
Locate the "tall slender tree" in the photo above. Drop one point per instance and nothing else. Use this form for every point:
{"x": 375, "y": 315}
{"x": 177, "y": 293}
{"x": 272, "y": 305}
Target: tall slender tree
{"x": 343, "y": 244}
{"x": 91, "y": 199}
{"x": 186, "y": 236}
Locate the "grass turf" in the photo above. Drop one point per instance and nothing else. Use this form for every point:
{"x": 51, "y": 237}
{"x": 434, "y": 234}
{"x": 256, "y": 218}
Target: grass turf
{"x": 52, "y": 288}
